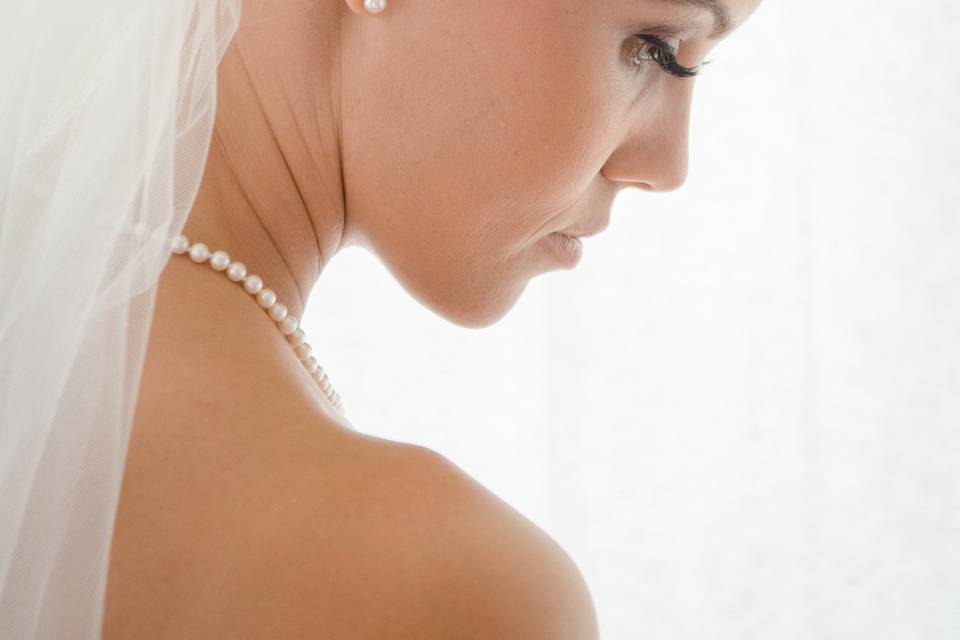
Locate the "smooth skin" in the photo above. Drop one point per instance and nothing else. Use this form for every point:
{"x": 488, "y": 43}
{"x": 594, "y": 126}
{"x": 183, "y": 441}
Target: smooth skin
{"x": 449, "y": 138}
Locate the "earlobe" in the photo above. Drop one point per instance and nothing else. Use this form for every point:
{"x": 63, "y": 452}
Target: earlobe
{"x": 367, "y": 7}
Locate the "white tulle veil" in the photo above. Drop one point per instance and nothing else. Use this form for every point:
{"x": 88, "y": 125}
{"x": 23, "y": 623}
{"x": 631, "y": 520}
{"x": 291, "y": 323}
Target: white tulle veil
{"x": 106, "y": 111}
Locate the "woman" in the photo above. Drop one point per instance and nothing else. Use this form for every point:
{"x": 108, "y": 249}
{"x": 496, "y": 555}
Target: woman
{"x": 463, "y": 143}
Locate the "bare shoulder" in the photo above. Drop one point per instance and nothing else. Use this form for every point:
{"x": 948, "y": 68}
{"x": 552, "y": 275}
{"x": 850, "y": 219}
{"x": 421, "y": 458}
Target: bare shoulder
{"x": 499, "y": 574}
{"x": 330, "y": 533}
{"x": 391, "y": 539}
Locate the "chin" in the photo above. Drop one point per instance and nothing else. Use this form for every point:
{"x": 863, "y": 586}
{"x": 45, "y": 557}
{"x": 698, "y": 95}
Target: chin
{"x": 473, "y": 294}
{"x": 478, "y": 311}
{"x": 470, "y": 306}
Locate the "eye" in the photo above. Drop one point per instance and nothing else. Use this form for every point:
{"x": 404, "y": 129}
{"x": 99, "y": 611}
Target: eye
{"x": 649, "y": 48}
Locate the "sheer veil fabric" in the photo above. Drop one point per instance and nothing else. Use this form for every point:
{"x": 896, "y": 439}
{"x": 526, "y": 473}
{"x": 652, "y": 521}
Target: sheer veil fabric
{"x": 106, "y": 112}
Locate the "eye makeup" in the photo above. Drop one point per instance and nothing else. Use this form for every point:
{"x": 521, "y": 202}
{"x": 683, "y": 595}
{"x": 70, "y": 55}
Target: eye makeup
{"x": 654, "y": 48}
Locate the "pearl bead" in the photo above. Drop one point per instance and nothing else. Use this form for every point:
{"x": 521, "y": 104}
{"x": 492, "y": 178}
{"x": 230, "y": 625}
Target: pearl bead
{"x": 303, "y": 350}
{"x": 266, "y": 298}
{"x": 237, "y": 271}
{"x": 252, "y": 284}
{"x": 278, "y": 312}
{"x": 180, "y": 245}
{"x": 199, "y": 252}
{"x": 374, "y": 6}
{"x": 288, "y": 325}
{"x": 220, "y": 260}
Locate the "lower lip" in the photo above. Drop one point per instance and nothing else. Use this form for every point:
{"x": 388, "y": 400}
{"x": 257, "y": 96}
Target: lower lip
{"x": 567, "y": 248}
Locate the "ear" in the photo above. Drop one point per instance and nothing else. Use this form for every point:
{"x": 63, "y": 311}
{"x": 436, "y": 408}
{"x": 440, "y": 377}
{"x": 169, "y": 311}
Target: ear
{"x": 367, "y": 8}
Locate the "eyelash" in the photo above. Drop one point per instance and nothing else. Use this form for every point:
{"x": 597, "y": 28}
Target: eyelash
{"x": 662, "y": 54}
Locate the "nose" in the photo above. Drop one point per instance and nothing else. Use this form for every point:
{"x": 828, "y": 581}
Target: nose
{"x": 653, "y": 153}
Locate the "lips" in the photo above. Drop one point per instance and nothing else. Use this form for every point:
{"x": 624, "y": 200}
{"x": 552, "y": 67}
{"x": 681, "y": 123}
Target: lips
{"x": 595, "y": 213}
{"x": 567, "y": 248}
{"x": 585, "y": 232}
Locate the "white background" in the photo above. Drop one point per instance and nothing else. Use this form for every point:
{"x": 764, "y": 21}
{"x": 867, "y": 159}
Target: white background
{"x": 740, "y": 414}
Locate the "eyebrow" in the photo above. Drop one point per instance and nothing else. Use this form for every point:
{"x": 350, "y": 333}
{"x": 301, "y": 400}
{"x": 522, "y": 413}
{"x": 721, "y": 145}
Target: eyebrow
{"x": 723, "y": 24}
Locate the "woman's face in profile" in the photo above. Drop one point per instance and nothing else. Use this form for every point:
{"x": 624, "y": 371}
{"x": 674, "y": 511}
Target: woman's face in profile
{"x": 473, "y": 130}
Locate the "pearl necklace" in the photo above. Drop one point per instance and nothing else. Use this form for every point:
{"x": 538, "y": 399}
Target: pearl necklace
{"x": 267, "y": 299}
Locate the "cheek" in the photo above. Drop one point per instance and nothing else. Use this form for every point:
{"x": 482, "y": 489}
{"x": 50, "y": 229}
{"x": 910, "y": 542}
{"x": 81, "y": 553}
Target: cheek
{"x": 496, "y": 129}
{"x": 510, "y": 133}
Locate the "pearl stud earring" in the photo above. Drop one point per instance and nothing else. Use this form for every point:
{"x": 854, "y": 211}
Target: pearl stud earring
{"x": 374, "y": 6}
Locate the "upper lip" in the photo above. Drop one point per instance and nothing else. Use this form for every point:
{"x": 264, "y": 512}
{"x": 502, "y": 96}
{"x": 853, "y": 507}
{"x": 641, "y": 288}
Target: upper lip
{"x": 584, "y": 232}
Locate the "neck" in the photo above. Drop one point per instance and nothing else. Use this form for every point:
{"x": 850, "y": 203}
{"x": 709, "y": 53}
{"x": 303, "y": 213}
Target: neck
{"x": 279, "y": 245}
{"x": 213, "y": 347}
{"x": 271, "y": 204}
{"x": 267, "y": 198}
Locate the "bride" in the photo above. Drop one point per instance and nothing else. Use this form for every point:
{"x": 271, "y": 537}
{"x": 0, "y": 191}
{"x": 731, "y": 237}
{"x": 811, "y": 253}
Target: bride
{"x": 226, "y": 493}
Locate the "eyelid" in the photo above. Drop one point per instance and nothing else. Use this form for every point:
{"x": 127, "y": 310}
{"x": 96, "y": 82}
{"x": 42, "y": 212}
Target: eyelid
{"x": 659, "y": 41}
{"x": 680, "y": 31}
{"x": 670, "y": 64}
